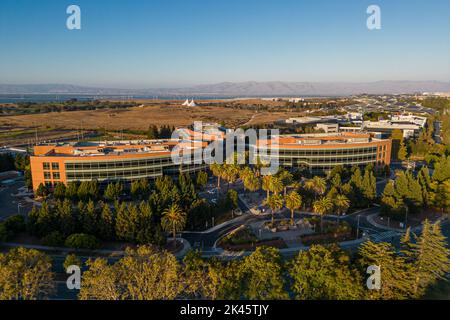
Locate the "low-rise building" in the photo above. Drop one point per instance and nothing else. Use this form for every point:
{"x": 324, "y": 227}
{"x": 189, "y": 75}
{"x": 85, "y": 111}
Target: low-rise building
{"x": 320, "y": 153}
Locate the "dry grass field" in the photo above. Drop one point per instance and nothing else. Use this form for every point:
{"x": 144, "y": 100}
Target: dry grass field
{"x": 139, "y": 118}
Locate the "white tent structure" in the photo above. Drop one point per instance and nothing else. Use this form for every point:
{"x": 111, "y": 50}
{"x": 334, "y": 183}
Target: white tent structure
{"x": 192, "y": 103}
{"x": 186, "y": 103}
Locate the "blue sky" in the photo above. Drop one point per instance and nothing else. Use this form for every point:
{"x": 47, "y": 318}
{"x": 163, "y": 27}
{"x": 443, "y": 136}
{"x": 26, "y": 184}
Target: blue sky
{"x": 158, "y": 43}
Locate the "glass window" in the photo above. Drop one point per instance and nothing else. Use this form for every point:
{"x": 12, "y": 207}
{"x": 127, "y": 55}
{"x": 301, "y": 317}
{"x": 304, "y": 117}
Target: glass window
{"x": 46, "y": 165}
{"x": 56, "y": 176}
{"x": 55, "y": 166}
{"x": 47, "y": 175}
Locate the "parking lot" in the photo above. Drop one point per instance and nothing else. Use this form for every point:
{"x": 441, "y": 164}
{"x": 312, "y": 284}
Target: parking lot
{"x": 10, "y": 204}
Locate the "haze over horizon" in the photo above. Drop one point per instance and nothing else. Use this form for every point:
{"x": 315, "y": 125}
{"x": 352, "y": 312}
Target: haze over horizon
{"x": 172, "y": 43}
{"x": 241, "y": 89}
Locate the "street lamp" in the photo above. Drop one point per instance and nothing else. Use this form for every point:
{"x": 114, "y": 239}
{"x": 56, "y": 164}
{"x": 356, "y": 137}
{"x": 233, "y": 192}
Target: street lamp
{"x": 357, "y": 227}
{"x": 18, "y": 208}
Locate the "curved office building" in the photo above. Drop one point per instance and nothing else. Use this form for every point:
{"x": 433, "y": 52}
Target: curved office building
{"x": 320, "y": 153}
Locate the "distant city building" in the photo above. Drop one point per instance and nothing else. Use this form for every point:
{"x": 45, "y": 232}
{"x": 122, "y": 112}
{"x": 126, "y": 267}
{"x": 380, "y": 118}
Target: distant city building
{"x": 328, "y": 127}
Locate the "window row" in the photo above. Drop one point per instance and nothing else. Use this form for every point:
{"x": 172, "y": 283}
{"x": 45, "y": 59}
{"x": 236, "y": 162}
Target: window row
{"x": 54, "y": 165}
{"x": 117, "y": 164}
{"x": 327, "y": 152}
{"x": 49, "y": 175}
{"x": 112, "y": 174}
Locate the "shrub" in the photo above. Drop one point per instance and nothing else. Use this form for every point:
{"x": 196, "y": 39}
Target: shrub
{"x": 5, "y": 234}
{"x": 15, "y": 224}
{"x": 82, "y": 241}
{"x": 53, "y": 239}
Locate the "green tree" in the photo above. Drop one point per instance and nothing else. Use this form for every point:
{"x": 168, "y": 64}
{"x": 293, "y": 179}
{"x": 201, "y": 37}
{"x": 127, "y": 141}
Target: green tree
{"x": 60, "y": 191}
{"x": 25, "y": 275}
{"x": 173, "y": 219}
{"x": 71, "y": 260}
{"x": 42, "y": 191}
{"x": 286, "y": 179}
{"x": 202, "y": 179}
{"x": 232, "y": 197}
{"x": 107, "y": 223}
{"x": 261, "y": 275}
{"x": 396, "y": 280}
{"x": 317, "y": 184}
{"x": 72, "y": 191}
{"x": 325, "y": 272}
{"x": 267, "y": 185}
{"x": 275, "y": 202}
{"x": 293, "y": 202}
{"x": 369, "y": 187}
{"x": 402, "y": 151}
{"x": 142, "y": 274}
{"x": 218, "y": 171}
{"x": 322, "y": 206}
{"x": 101, "y": 281}
{"x": 67, "y": 220}
{"x": 429, "y": 256}
{"x": 342, "y": 203}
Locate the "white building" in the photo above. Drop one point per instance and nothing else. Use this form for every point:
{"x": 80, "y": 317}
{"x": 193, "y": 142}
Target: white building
{"x": 328, "y": 127}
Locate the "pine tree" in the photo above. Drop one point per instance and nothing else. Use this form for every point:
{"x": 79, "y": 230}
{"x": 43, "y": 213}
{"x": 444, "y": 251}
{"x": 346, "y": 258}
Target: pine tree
{"x": 369, "y": 188}
{"x": 106, "y": 225}
{"x": 89, "y": 219}
{"x": 72, "y": 191}
{"x": 442, "y": 169}
{"x": 135, "y": 189}
{"x": 402, "y": 151}
{"x": 59, "y": 191}
{"x": 67, "y": 221}
{"x": 146, "y": 229}
{"x": 127, "y": 222}
{"x": 396, "y": 281}
{"x": 430, "y": 257}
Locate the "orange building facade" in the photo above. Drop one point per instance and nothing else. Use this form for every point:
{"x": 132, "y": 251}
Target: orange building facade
{"x": 107, "y": 161}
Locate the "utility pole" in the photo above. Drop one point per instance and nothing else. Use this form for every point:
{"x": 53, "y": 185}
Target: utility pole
{"x": 406, "y": 216}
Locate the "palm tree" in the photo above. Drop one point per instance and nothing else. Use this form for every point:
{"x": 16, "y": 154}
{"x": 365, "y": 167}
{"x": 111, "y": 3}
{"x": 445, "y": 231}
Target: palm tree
{"x": 245, "y": 173}
{"x": 230, "y": 174}
{"x": 267, "y": 185}
{"x": 173, "y": 219}
{"x": 252, "y": 183}
{"x": 317, "y": 184}
{"x": 275, "y": 203}
{"x": 320, "y": 185}
{"x": 293, "y": 202}
{"x": 342, "y": 204}
{"x": 286, "y": 178}
{"x": 322, "y": 206}
{"x": 217, "y": 170}
{"x": 276, "y": 185}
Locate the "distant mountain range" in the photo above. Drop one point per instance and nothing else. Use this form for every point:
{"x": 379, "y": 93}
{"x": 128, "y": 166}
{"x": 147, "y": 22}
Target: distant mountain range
{"x": 243, "y": 89}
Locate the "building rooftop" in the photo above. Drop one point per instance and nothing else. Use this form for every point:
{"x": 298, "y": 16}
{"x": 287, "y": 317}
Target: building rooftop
{"x": 114, "y": 148}
{"x": 320, "y": 139}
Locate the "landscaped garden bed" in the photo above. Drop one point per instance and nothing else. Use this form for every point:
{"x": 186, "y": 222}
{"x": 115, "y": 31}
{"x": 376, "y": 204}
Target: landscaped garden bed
{"x": 243, "y": 239}
{"x": 332, "y": 232}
